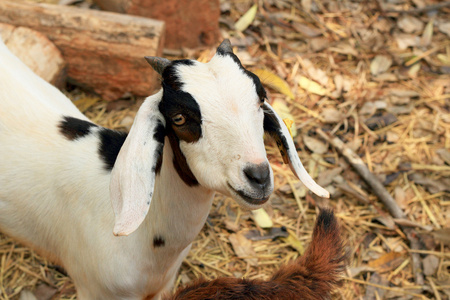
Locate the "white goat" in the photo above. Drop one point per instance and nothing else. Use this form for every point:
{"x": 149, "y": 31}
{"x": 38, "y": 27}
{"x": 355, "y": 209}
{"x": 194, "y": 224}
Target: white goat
{"x": 59, "y": 173}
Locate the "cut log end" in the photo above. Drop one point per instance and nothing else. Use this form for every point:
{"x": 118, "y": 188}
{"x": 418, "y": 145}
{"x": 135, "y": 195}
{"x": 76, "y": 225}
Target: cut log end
{"x": 36, "y": 51}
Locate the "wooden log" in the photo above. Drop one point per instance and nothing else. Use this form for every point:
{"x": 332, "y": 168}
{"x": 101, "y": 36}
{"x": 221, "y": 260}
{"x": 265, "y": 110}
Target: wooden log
{"x": 36, "y": 51}
{"x": 104, "y": 51}
{"x": 189, "y": 23}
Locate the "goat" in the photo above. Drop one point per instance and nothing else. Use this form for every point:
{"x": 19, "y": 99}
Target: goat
{"x": 60, "y": 173}
{"x": 312, "y": 276}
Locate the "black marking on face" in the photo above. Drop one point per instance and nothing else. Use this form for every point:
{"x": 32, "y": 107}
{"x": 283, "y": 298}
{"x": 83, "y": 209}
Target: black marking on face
{"x": 110, "y": 143}
{"x": 158, "y": 241}
{"x": 273, "y": 128}
{"x": 73, "y": 128}
{"x": 179, "y": 161}
{"x": 175, "y": 101}
{"x": 170, "y": 77}
{"x": 260, "y": 91}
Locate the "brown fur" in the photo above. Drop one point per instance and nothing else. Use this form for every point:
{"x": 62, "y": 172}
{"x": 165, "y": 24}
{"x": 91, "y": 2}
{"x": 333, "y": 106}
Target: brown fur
{"x": 312, "y": 276}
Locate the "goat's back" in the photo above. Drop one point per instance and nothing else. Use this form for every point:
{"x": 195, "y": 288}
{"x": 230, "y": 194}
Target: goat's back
{"x": 28, "y": 102}
{"x": 37, "y": 162}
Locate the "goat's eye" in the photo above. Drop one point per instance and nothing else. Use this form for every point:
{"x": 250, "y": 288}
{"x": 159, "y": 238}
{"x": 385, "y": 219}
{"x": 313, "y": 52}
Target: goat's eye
{"x": 179, "y": 120}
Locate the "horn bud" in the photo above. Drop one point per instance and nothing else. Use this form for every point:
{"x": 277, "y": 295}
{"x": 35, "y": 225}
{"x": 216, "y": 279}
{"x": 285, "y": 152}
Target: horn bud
{"x": 158, "y": 63}
{"x": 225, "y": 47}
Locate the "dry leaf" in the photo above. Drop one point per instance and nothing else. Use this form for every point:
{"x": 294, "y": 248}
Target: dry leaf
{"x": 332, "y": 115}
{"x": 243, "y": 248}
{"x": 445, "y": 28}
{"x": 433, "y": 185}
{"x": 380, "y": 64}
{"x": 315, "y": 73}
{"x": 404, "y": 93}
{"x": 311, "y": 86}
{"x": 355, "y": 271}
{"x": 444, "y": 59}
{"x": 318, "y": 44}
{"x": 274, "y": 232}
{"x": 442, "y": 235}
{"x": 387, "y": 262}
{"x": 261, "y": 218}
{"x": 373, "y": 292}
{"x": 26, "y": 295}
{"x": 378, "y": 122}
{"x": 430, "y": 265}
{"x": 274, "y": 81}
{"x": 293, "y": 241}
{"x": 246, "y": 19}
{"x": 306, "y": 5}
{"x": 427, "y": 34}
{"x": 307, "y": 30}
{"x": 315, "y": 145}
{"x": 231, "y": 225}
{"x": 410, "y": 24}
{"x": 284, "y": 112}
{"x": 392, "y": 137}
{"x": 406, "y": 40}
{"x": 326, "y": 177}
{"x": 444, "y": 154}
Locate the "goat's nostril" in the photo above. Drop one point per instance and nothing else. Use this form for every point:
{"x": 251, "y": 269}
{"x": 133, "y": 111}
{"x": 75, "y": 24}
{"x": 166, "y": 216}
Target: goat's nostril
{"x": 258, "y": 173}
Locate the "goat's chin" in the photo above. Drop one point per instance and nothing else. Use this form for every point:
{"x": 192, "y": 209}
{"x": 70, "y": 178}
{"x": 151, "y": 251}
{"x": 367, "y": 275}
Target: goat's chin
{"x": 248, "y": 201}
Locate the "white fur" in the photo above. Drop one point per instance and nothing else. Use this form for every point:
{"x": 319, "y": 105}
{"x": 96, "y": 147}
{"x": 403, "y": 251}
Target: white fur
{"x": 54, "y": 193}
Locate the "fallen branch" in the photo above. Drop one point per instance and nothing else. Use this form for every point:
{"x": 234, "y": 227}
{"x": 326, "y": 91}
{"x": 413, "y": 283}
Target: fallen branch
{"x": 357, "y": 163}
{"x": 378, "y": 189}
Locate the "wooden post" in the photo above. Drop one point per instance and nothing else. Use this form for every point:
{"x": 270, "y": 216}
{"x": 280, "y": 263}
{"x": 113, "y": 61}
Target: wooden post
{"x": 104, "y": 51}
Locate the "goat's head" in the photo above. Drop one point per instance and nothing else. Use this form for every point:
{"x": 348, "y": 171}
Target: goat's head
{"x": 214, "y": 115}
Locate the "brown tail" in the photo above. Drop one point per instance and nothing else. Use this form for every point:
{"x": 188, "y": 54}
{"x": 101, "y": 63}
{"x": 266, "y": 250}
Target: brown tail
{"x": 312, "y": 276}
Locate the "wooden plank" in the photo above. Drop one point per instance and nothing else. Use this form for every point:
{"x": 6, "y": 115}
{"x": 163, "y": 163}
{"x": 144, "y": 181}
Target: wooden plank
{"x": 104, "y": 51}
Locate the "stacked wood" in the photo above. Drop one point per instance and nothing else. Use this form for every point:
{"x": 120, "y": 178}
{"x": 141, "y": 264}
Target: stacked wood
{"x": 104, "y": 51}
{"x": 36, "y": 51}
{"x": 188, "y": 23}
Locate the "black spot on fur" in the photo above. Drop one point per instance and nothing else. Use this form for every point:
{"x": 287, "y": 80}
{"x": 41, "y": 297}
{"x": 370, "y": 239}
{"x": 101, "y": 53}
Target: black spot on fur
{"x": 73, "y": 128}
{"x": 160, "y": 132}
{"x": 110, "y": 143}
{"x": 158, "y": 241}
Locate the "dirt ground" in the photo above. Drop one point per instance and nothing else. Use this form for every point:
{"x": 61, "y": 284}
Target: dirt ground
{"x": 373, "y": 74}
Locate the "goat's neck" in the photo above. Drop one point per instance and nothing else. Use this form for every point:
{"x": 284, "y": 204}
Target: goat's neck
{"x": 177, "y": 212}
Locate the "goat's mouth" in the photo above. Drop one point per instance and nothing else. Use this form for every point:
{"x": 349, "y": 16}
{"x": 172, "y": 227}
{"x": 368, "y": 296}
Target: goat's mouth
{"x": 253, "y": 201}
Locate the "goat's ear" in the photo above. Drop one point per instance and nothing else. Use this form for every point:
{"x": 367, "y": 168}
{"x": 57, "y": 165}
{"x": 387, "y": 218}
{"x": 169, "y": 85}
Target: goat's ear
{"x": 225, "y": 47}
{"x": 133, "y": 175}
{"x": 275, "y": 127}
{"x": 158, "y": 63}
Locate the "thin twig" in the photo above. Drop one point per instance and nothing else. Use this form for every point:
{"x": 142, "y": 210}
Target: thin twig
{"x": 378, "y": 189}
{"x": 357, "y": 163}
